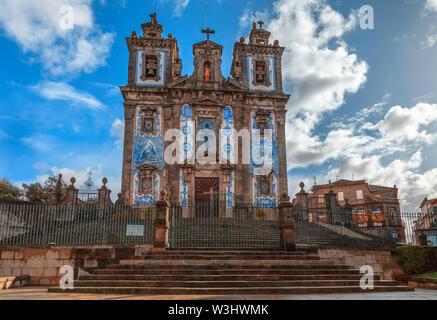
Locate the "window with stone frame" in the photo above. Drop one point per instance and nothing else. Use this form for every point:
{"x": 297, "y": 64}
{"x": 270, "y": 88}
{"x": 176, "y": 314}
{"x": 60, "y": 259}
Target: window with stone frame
{"x": 261, "y": 73}
{"x": 148, "y": 120}
{"x": 263, "y": 122}
{"x": 262, "y": 126}
{"x": 150, "y": 67}
{"x": 265, "y": 187}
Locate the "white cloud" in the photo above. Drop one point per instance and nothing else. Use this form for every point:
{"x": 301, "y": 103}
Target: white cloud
{"x": 431, "y": 39}
{"x": 402, "y": 124}
{"x": 40, "y": 142}
{"x": 431, "y": 5}
{"x": 63, "y": 91}
{"x": 320, "y": 68}
{"x": 178, "y": 6}
{"x": 36, "y": 26}
{"x": 3, "y": 135}
{"x": 117, "y": 131}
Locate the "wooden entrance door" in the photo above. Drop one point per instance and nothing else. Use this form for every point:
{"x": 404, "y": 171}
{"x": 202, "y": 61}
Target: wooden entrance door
{"x": 207, "y": 197}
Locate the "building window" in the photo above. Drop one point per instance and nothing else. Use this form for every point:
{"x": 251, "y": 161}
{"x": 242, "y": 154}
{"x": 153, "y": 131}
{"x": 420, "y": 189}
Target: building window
{"x": 360, "y": 195}
{"x": 262, "y": 126}
{"x": 340, "y": 196}
{"x": 148, "y": 125}
{"x": 264, "y": 187}
{"x": 150, "y": 68}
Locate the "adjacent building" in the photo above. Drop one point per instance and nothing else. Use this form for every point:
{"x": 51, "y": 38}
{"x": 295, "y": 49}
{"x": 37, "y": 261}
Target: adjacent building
{"x": 373, "y": 205}
{"x": 426, "y": 226}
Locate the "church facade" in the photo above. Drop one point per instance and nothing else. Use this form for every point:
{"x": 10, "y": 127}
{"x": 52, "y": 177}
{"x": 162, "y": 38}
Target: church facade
{"x": 203, "y": 134}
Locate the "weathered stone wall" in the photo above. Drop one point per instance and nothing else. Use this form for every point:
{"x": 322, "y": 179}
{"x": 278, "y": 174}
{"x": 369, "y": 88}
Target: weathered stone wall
{"x": 384, "y": 262}
{"x": 42, "y": 264}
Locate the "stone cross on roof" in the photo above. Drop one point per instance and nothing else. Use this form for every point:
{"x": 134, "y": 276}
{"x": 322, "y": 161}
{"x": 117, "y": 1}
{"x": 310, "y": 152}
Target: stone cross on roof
{"x": 153, "y": 17}
{"x": 208, "y": 32}
{"x": 260, "y": 24}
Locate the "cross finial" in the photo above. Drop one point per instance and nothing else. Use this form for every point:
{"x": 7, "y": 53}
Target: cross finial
{"x": 208, "y": 32}
{"x": 260, "y": 24}
{"x": 153, "y": 17}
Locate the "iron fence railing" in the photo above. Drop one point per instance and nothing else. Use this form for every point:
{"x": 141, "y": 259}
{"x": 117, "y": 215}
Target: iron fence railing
{"x": 360, "y": 229}
{"x": 214, "y": 224}
{"x": 210, "y": 224}
{"x": 41, "y": 225}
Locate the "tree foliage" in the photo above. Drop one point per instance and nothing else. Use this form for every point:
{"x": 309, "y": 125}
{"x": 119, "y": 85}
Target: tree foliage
{"x": 9, "y": 191}
{"x": 44, "y": 192}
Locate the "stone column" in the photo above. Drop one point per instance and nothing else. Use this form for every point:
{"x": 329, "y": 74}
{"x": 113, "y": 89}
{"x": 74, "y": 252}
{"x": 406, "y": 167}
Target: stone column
{"x": 72, "y": 192}
{"x": 129, "y": 116}
{"x": 286, "y": 223}
{"x": 282, "y": 151}
{"x": 162, "y": 224}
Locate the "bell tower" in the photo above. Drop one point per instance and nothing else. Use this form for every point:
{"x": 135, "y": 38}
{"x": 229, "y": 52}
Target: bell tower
{"x": 207, "y": 62}
{"x": 258, "y": 64}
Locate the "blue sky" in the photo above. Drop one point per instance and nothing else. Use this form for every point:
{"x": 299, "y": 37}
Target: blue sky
{"x": 364, "y": 102}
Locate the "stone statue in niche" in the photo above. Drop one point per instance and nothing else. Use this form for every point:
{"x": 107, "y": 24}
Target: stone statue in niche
{"x": 178, "y": 67}
{"x": 207, "y": 71}
{"x": 237, "y": 70}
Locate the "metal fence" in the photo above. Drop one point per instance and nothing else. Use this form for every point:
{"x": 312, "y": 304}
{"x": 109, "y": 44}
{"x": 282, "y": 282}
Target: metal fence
{"x": 41, "y": 225}
{"x": 322, "y": 227}
{"x": 214, "y": 224}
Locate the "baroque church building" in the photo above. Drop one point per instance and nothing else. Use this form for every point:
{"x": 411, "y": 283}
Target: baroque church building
{"x": 158, "y": 98}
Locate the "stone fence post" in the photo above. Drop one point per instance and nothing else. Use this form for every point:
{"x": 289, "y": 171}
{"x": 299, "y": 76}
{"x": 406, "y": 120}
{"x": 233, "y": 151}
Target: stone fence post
{"x": 104, "y": 194}
{"x": 286, "y": 223}
{"x": 71, "y": 195}
{"x": 162, "y": 224}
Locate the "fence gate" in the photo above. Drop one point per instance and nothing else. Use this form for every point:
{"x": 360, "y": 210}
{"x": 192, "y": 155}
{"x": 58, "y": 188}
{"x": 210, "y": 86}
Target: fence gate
{"x": 214, "y": 225}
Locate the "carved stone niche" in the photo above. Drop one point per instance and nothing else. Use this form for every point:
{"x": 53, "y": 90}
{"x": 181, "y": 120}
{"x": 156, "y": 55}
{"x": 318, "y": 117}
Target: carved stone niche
{"x": 177, "y": 67}
{"x": 146, "y": 179}
{"x": 148, "y": 120}
{"x": 265, "y": 185}
{"x": 236, "y": 70}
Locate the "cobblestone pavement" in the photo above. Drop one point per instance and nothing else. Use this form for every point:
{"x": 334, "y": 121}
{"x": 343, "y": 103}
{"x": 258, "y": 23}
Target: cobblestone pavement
{"x": 39, "y": 293}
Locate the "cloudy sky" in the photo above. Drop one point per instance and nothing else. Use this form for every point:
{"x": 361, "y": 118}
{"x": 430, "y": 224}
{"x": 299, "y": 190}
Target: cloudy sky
{"x": 364, "y": 102}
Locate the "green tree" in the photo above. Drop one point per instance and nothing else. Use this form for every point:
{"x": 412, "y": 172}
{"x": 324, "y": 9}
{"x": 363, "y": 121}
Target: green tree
{"x": 9, "y": 191}
{"x": 44, "y": 192}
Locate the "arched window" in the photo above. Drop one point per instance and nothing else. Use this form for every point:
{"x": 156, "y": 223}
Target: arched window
{"x": 207, "y": 71}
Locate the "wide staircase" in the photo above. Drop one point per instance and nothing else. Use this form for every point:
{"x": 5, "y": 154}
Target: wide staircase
{"x": 226, "y": 272}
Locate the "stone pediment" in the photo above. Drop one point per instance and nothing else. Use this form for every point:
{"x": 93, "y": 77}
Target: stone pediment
{"x": 234, "y": 84}
{"x": 205, "y": 43}
{"x": 180, "y": 81}
{"x": 207, "y": 101}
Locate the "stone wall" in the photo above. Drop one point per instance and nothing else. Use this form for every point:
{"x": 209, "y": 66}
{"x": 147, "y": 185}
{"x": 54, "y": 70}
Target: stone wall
{"x": 42, "y": 264}
{"x": 384, "y": 262}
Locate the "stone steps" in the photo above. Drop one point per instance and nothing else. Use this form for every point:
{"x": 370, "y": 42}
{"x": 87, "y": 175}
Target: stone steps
{"x": 226, "y": 284}
{"x": 228, "y": 257}
{"x": 238, "y": 277}
{"x": 242, "y": 267}
{"x": 229, "y": 291}
{"x": 226, "y": 272}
